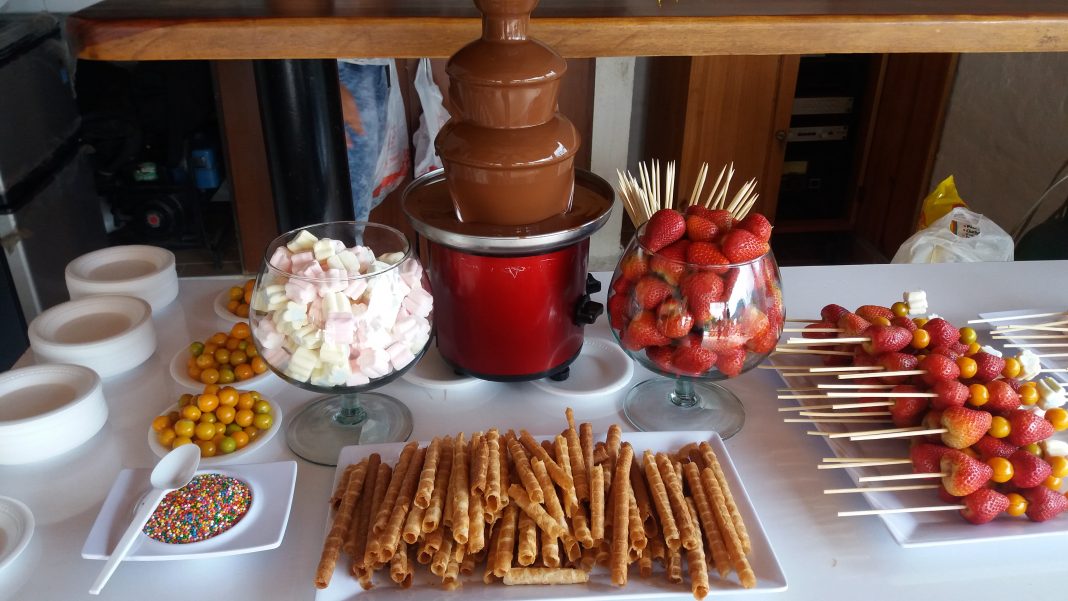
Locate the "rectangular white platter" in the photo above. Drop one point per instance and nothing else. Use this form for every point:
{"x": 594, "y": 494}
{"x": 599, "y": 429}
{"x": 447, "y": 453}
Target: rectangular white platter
{"x": 770, "y": 577}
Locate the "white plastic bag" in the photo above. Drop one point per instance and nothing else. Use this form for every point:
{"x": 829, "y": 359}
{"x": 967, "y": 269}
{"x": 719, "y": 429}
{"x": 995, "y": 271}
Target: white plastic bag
{"x": 430, "y": 122}
{"x": 960, "y": 236}
{"x": 394, "y": 160}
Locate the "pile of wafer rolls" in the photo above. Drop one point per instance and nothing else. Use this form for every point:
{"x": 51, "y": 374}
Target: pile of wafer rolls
{"x": 522, "y": 512}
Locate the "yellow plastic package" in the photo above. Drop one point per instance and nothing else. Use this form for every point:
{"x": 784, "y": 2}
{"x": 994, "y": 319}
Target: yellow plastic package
{"x": 939, "y": 202}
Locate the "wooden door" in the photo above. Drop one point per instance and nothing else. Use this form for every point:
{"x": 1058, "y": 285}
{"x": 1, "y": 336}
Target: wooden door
{"x": 722, "y": 109}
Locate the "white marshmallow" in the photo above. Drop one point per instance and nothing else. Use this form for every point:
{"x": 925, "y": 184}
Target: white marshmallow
{"x": 1053, "y": 447}
{"x": 308, "y": 337}
{"x": 302, "y": 241}
{"x": 400, "y": 355}
{"x": 300, "y": 291}
{"x": 334, "y": 280}
{"x": 356, "y": 377}
{"x": 313, "y": 271}
{"x": 334, "y": 262}
{"x": 339, "y": 328}
{"x": 336, "y": 302}
{"x": 356, "y": 288}
{"x": 323, "y": 249}
{"x": 916, "y": 301}
{"x": 1050, "y": 393}
{"x": 365, "y": 256}
{"x": 1030, "y": 365}
{"x": 990, "y": 350}
{"x": 295, "y": 313}
{"x": 301, "y": 364}
{"x": 349, "y": 262}
{"x": 334, "y": 354}
{"x": 391, "y": 258}
{"x": 281, "y": 259}
{"x": 374, "y": 363}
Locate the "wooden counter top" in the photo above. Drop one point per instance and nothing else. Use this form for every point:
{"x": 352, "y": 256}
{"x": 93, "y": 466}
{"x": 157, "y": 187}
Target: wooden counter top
{"x": 253, "y": 29}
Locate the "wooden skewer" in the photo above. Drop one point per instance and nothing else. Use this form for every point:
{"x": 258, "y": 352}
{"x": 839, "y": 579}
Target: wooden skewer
{"x": 855, "y": 386}
{"x": 695, "y": 194}
{"x": 830, "y": 372}
{"x": 862, "y": 459}
{"x": 838, "y": 406}
{"x": 780, "y": 367}
{"x": 847, "y": 420}
{"x": 839, "y": 491}
{"x": 821, "y": 341}
{"x": 790, "y": 351}
{"x": 714, "y": 191}
{"x": 845, "y": 414}
{"x": 875, "y": 432}
{"x": 1033, "y": 326}
{"x": 802, "y": 320}
{"x": 1037, "y": 345}
{"x": 903, "y": 434}
{"x": 920, "y": 476}
{"x": 1052, "y": 355}
{"x": 799, "y": 389}
{"x": 1028, "y": 316}
{"x": 814, "y": 330}
{"x": 869, "y": 368}
{"x": 1032, "y": 337}
{"x": 1053, "y": 370}
{"x": 900, "y": 509}
{"x": 794, "y": 397}
{"x": 885, "y": 374}
{"x": 880, "y": 394}
{"x": 834, "y": 466}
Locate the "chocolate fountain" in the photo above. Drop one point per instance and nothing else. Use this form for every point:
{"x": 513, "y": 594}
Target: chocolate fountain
{"x": 508, "y": 219}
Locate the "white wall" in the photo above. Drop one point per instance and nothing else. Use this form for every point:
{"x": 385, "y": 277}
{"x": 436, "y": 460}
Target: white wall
{"x": 609, "y": 144}
{"x": 1006, "y": 133}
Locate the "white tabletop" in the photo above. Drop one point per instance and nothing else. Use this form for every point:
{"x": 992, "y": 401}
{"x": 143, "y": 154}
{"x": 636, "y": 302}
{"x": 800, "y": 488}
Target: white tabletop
{"x": 823, "y": 556}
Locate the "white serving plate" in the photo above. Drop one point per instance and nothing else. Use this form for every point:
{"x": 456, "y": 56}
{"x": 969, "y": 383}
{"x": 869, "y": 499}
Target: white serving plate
{"x": 47, "y": 410}
{"x": 108, "y": 334}
{"x": 224, "y": 314}
{"x": 912, "y": 529}
{"x": 177, "y": 369}
{"x": 142, "y": 271}
{"x": 16, "y": 529}
{"x": 1053, "y": 362}
{"x": 426, "y": 587}
{"x": 601, "y": 368}
{"x": 262, "y": 527}
{"x": 433, "y": 372}
{"x": 238, "y": 455}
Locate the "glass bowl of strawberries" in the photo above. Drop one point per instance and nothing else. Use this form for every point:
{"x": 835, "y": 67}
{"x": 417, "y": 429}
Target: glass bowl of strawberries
{"x": 696, "y": 298}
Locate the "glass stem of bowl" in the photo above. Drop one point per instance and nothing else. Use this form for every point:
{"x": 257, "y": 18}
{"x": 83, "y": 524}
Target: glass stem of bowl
{"x": 351, "y": 412}
{"x": 684, "y": 394}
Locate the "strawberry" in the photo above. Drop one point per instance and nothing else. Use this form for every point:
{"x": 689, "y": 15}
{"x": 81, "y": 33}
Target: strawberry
{"x": 722, "y": 218}
{"x": 832, "y": 313}
{"x": 938, "y": 368}
{"x": 731, "y": 362}
{"x": 902, "y": 321}
{"x": 661, "y": 357}
{"x": 693, "y": 360}
{"x": 932, "y": 420}
{"x": 983, "y": 505}
{"x": 896, "y": 362}
{"x": 664, "y": 227}
{"x": 989, "y": 447}
{"x": 927, "y": 458}
{"x": 705, "y": 253}
{"x": 870, "y": 312}
{"x": 1027, "y": 427}
{"x": 641, "y": 332}
{"x": 672, "y": 318}
{"x": 670, "y": 262}
{"x": 633, "y": 266}
{"x": 758, "y": 225}
{"x": 742, "y": 246}
{"x": 723, "y": 337}
{"x": 1013, "y": 383}
{"x": 946, "y": 350}
{"x": 886, "y": 339}
{"x": 963, "y": 475}
{"x": 819, "y": 325}
{"x": 1027, "y": 469}
{"x": 650, "y": 291}
{"x": 1002, "y": 397}
{"x": 703, "y": 291}
{"x": 907, "y": 411}
{"x": 853, "y": 324}
{"x": 621, "y": 286}
{"x": 763, "y": 343}
{"x": 700, "y": 228}
{"x": 1044, "y": 504}
{"x": 988, "y": 367}
{"x": 951, "y": 393}
{"x": 618, "y": 310}
{"x": 944, "y": 495}
{"x": 965, "y": 426}
{"x": 699, "y": 211}
{"x": 941, "y": 331}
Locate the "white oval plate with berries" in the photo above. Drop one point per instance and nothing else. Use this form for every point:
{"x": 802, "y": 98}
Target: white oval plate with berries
{"x": 238, "y": 455}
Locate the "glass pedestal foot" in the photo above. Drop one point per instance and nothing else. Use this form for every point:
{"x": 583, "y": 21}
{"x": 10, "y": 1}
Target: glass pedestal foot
{"x": 666, "y": 404}
{"x": 323, "y": 427}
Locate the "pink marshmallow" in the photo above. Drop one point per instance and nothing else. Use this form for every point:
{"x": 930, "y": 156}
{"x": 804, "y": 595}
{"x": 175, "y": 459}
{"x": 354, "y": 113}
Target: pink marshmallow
{"x": 281, "y": 259}
{"x": 315, "y": 313}
{"x": 334, "y": 281}
{"x": 374, "y": 363}
{"x": 418, "y": 302}
{"x": 300, "y": 261}
{"x": 400, "y": 355}
{"x": 278, "y": 357}
{"x": 300, "y": 291}
{"x": 313, "y": 270}
{"x": 355, "y": 288}
{"x": 339, "y": 328}
{"x": 404, "y": 328}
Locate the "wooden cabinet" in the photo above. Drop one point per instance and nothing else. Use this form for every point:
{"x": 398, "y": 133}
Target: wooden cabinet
{"x": 741, "y": 109}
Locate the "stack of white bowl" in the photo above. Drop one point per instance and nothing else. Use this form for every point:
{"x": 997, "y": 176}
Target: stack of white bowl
{"x": 104, "y": 330}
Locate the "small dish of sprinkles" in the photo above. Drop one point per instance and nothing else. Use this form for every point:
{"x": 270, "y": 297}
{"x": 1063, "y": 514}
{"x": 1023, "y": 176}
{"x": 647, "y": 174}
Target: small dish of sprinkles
{"x": 206, "y": 507}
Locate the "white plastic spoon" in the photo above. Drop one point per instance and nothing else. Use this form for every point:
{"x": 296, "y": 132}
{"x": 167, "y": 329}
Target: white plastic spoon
{"x": 174, "y": 471}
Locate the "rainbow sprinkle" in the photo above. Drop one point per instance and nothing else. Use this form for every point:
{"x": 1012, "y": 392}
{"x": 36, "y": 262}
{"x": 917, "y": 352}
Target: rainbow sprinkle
{"x": 208, "y": 506}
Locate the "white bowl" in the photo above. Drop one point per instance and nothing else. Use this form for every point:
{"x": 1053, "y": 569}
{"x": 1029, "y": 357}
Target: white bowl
{"x": 146, "y": 272}
{"x": 47, "y": 410}
{"x": 220, "y": 308}
{"x": 108, "y": 334}
{"x": 179, "y": 374}
{"x": 252, "y": 447}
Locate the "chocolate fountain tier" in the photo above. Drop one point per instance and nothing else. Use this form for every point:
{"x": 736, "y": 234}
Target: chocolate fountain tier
{"x": 509, "y": 176}
{"x": 505, "y": 84}
{"x": 428, "y": 206}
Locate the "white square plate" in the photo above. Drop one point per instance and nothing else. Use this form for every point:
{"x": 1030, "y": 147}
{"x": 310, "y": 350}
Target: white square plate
{"x": 911, "y": 529}
{"x": 770, "y": 577}
{"x": 262, "y": 527}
